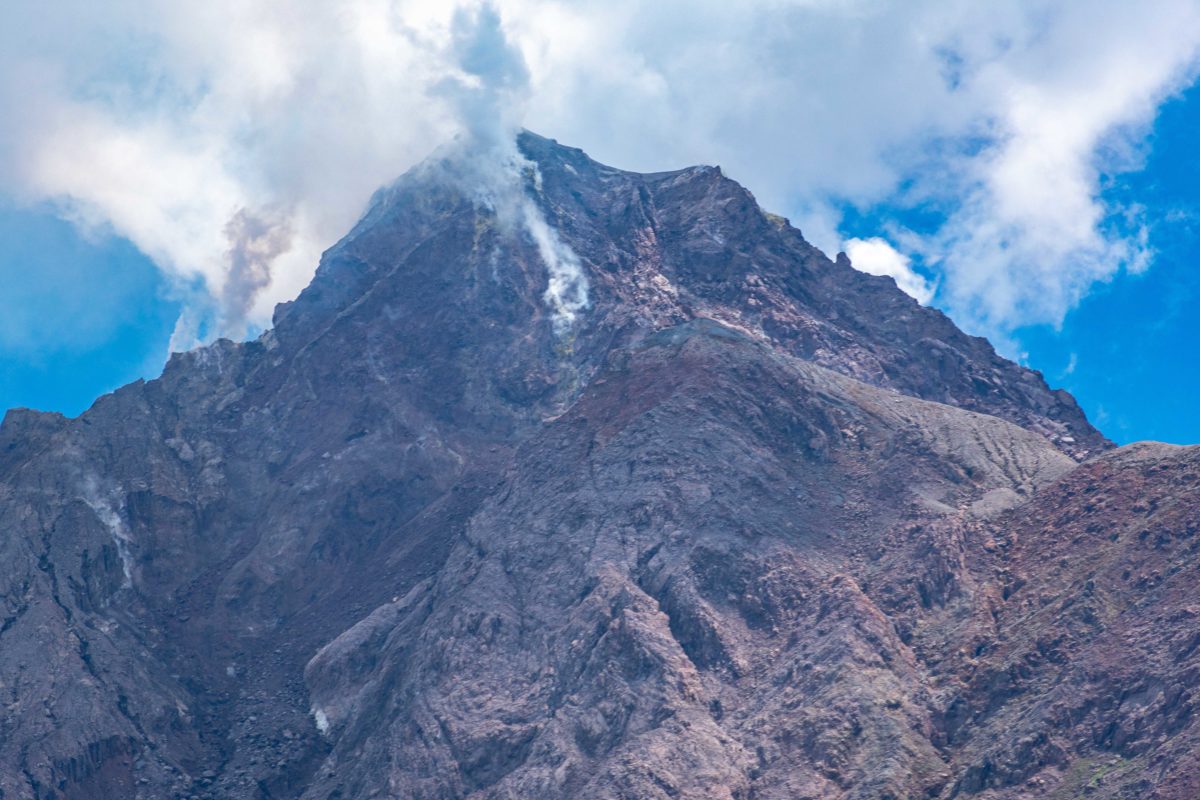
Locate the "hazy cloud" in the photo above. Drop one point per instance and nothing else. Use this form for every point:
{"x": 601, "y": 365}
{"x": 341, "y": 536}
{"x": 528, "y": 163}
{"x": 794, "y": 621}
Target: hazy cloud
{"x": 165, "y": 122}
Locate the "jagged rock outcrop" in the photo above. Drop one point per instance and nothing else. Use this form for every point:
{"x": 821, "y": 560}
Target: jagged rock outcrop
{"x": 756, "y": 525}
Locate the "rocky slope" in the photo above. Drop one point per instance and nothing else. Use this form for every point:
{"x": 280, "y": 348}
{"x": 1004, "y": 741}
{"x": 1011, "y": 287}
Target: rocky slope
{"x": 756, "y": 525}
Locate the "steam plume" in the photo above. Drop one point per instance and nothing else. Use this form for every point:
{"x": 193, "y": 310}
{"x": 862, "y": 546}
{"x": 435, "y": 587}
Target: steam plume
{"x": 255, "y": 241}
{"x": 111, "y": 520}
{"x": 490, "y": 97}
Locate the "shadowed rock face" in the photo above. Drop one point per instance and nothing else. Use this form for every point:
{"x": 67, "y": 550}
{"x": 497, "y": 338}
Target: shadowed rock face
{"x": 756, "y": 526}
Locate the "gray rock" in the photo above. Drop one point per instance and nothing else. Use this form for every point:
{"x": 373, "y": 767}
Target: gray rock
{"x": 757, "y": 526}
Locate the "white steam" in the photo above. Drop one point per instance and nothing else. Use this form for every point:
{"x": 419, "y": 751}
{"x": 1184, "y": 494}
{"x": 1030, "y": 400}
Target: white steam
{"x": 567, "y": 292}
{"x": 490, "y": 96}
{"x": 111, "y": 520}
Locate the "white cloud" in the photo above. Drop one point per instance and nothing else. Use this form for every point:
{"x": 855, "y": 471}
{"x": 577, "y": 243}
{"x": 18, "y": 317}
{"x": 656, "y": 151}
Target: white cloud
{"x": 876, "y": 257}
{"x": 167, "y": 121}
{"x": 1002, "y": 118}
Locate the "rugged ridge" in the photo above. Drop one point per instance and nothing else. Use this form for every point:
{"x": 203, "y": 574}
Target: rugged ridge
{"x": 758, "y": 525}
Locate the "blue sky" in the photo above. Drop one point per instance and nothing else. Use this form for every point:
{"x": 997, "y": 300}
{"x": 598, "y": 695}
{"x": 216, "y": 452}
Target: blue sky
{"x": 79, "y": 316}
{"x": 169, "y": 172}
{"x": 1130, "y": 350}
{"x": 1130, "y": 353}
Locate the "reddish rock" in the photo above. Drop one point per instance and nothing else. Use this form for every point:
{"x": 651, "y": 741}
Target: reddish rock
{"x": 757, "y": 526}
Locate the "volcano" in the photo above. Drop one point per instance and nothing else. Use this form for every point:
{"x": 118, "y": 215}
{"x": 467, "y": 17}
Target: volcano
{"x": 747, "y": 523}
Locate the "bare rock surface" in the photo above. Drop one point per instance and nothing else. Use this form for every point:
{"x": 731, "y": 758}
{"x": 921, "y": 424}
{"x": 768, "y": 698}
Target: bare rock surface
{"x": 756, "y": 525}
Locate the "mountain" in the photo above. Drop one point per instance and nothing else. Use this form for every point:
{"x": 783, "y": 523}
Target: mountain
{"x": 755, "y": 525}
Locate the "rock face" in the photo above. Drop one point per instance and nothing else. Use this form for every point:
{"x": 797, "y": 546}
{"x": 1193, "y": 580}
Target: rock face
{"x": 756, "y": 526}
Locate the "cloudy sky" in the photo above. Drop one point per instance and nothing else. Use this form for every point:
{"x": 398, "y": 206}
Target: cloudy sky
{"x": 171, "y": 171}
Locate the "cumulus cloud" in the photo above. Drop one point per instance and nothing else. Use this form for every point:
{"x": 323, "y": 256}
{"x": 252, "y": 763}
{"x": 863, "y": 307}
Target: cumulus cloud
{"x": 1001, "y": 122}
{"x": 876, "y": 256}
{"x": 172, "y": 125}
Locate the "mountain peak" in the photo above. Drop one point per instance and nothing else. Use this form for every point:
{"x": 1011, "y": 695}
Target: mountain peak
{"x": 744, "y": 522}
{"x": 656, "y": 249}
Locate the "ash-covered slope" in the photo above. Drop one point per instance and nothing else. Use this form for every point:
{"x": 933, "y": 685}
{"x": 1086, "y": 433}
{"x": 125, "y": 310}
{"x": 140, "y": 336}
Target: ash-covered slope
{"x": 755, "y": 525}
